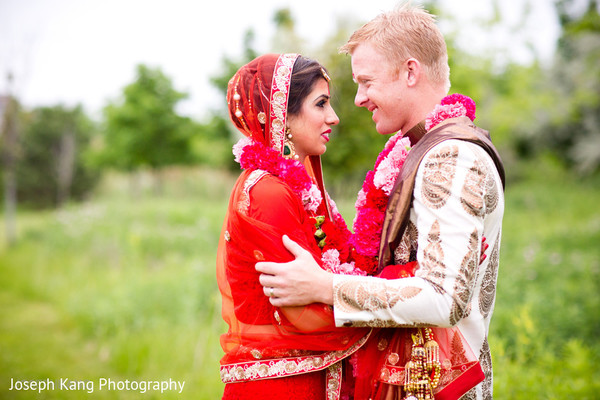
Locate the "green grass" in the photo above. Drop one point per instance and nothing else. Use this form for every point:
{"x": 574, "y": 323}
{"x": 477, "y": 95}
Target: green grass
{"x": 115, "y": 288}
{"x": 544, "y": 333}
{"x": 123, "y": 287}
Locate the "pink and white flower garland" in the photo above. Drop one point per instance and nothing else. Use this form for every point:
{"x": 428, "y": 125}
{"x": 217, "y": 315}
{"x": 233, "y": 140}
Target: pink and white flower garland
{"x": 372, "y": 202}
{"x": 378, "y": 184}
{"x": 253, "y": 155}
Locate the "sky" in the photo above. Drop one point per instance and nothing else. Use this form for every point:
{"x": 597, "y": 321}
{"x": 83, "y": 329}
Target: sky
{"x": 85, "y": 51}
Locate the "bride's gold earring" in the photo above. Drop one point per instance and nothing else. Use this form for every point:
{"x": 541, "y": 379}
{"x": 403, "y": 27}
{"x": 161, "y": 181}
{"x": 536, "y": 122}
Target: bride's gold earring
{"x": 289, "y": 151}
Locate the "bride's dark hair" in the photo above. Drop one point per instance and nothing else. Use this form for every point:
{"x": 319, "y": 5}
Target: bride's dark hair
{"x": 305, "y": 74}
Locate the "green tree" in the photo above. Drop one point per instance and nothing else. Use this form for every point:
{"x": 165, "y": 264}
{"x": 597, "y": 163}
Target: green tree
{"x": 231, "y": 65}
{"x": 508, "y": 100}
{"x": 9, "y": 134}
{"x": 211, "y": 145}
{"x": 143, "y": 129}
{"x": 53, "y": 165}
{"x": 285, "y": 39}
{"x": 570, "y": 125}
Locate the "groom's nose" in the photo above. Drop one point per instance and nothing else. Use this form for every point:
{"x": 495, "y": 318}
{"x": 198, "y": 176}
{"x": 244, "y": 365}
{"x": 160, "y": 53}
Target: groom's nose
{"x": 361, "y": 98}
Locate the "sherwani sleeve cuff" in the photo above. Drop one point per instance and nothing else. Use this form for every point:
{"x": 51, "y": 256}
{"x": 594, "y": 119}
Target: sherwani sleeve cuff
{"x": 360, "y": 301}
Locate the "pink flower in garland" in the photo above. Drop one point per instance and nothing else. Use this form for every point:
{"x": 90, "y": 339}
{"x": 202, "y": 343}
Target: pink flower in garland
{"x": 466, "y": 101}
{"x": 258, "y": 156}
{"x": 312, "y": 198}
{"x": 456, "y": 105}
{"x": 331, "y": 259}
{"x": 361, "y": 200}
{"x": 351, "y": 269}
{"x": 389, "y": 168}
{"x": 442, "y": 112}
{"x": 331, "y": 262}
{"x": 367, "y": 230}
{"x": 365, "y": 263}
{"x": 294, "y": 174}
{"x": 368, "y": 183}
{"x": 377, "y": 199}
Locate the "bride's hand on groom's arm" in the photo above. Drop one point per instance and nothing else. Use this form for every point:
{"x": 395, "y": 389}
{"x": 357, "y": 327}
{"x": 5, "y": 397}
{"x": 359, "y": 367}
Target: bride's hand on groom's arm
{"x": 298, "y": 282}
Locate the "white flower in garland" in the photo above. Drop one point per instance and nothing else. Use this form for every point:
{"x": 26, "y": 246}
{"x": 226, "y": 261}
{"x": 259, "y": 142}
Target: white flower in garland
{"x": 312, "y": 198}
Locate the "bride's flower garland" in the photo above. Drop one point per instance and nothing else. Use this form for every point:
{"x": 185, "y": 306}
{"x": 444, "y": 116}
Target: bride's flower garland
{"x": 333, "y": 237}
{"x": 373, "y": 197}
{"x": 253, "y": 155}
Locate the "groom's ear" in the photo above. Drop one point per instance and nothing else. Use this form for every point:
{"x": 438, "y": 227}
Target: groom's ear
{"x": 413, "y": 72}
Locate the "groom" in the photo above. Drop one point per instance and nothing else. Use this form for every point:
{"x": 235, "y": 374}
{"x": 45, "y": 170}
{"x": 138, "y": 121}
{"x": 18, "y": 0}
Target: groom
{"x": 448, "y": 196}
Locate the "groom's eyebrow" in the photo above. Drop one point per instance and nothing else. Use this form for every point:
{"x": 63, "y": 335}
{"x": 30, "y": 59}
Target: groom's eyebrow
{"x": 359, "y": 78}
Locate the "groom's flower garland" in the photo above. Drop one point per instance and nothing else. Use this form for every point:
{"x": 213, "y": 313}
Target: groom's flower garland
{"x": 373, "y": 197}
{"x": 333, "y": 237}
{"x": 372, "y": 201}
{"x": 455, "y": 105}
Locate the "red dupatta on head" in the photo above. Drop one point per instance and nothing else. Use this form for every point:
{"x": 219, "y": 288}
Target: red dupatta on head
{"x": 257, "y": 97}
{"x": 263, "y": 341}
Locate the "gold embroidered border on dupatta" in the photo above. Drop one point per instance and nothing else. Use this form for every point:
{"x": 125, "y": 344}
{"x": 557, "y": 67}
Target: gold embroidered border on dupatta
{"x": 280, "y": 367}
{"x": 280, "y": 87}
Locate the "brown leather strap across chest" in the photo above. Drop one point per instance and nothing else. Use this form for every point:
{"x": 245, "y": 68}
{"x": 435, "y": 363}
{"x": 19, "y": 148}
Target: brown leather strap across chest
{"x": 400, "y": 201}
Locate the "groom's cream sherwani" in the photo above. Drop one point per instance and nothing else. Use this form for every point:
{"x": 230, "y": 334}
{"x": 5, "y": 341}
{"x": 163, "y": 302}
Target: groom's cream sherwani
{"x": 457, "y": 200}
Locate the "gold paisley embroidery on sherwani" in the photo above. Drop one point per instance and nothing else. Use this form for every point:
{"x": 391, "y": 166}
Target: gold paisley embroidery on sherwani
{"x": 465, "y": 281}
{"x": 407, "y": 249}
{"x": 373, "y": 296}
{"x": 439, "y": 171}
{"x": 485, "y": 359}
{"x": 472, "y": 196}
{"x": 488, "y": 286}
{"x": 433, "y": 257}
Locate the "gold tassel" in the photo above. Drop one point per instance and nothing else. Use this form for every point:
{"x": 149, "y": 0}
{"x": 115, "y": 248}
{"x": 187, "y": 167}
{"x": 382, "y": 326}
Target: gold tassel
{"x": 434, "y": 367}
{"x": 419, "y": 381}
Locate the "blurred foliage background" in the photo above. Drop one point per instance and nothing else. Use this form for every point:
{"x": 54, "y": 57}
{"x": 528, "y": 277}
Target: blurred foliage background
{"x": 110, "y": 226}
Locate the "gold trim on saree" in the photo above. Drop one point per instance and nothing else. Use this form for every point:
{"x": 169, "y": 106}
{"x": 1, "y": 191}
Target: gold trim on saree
{"x": 253, "y": 178}
{"x": 333, "y": 381}
{"x": 280, "y": 367}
